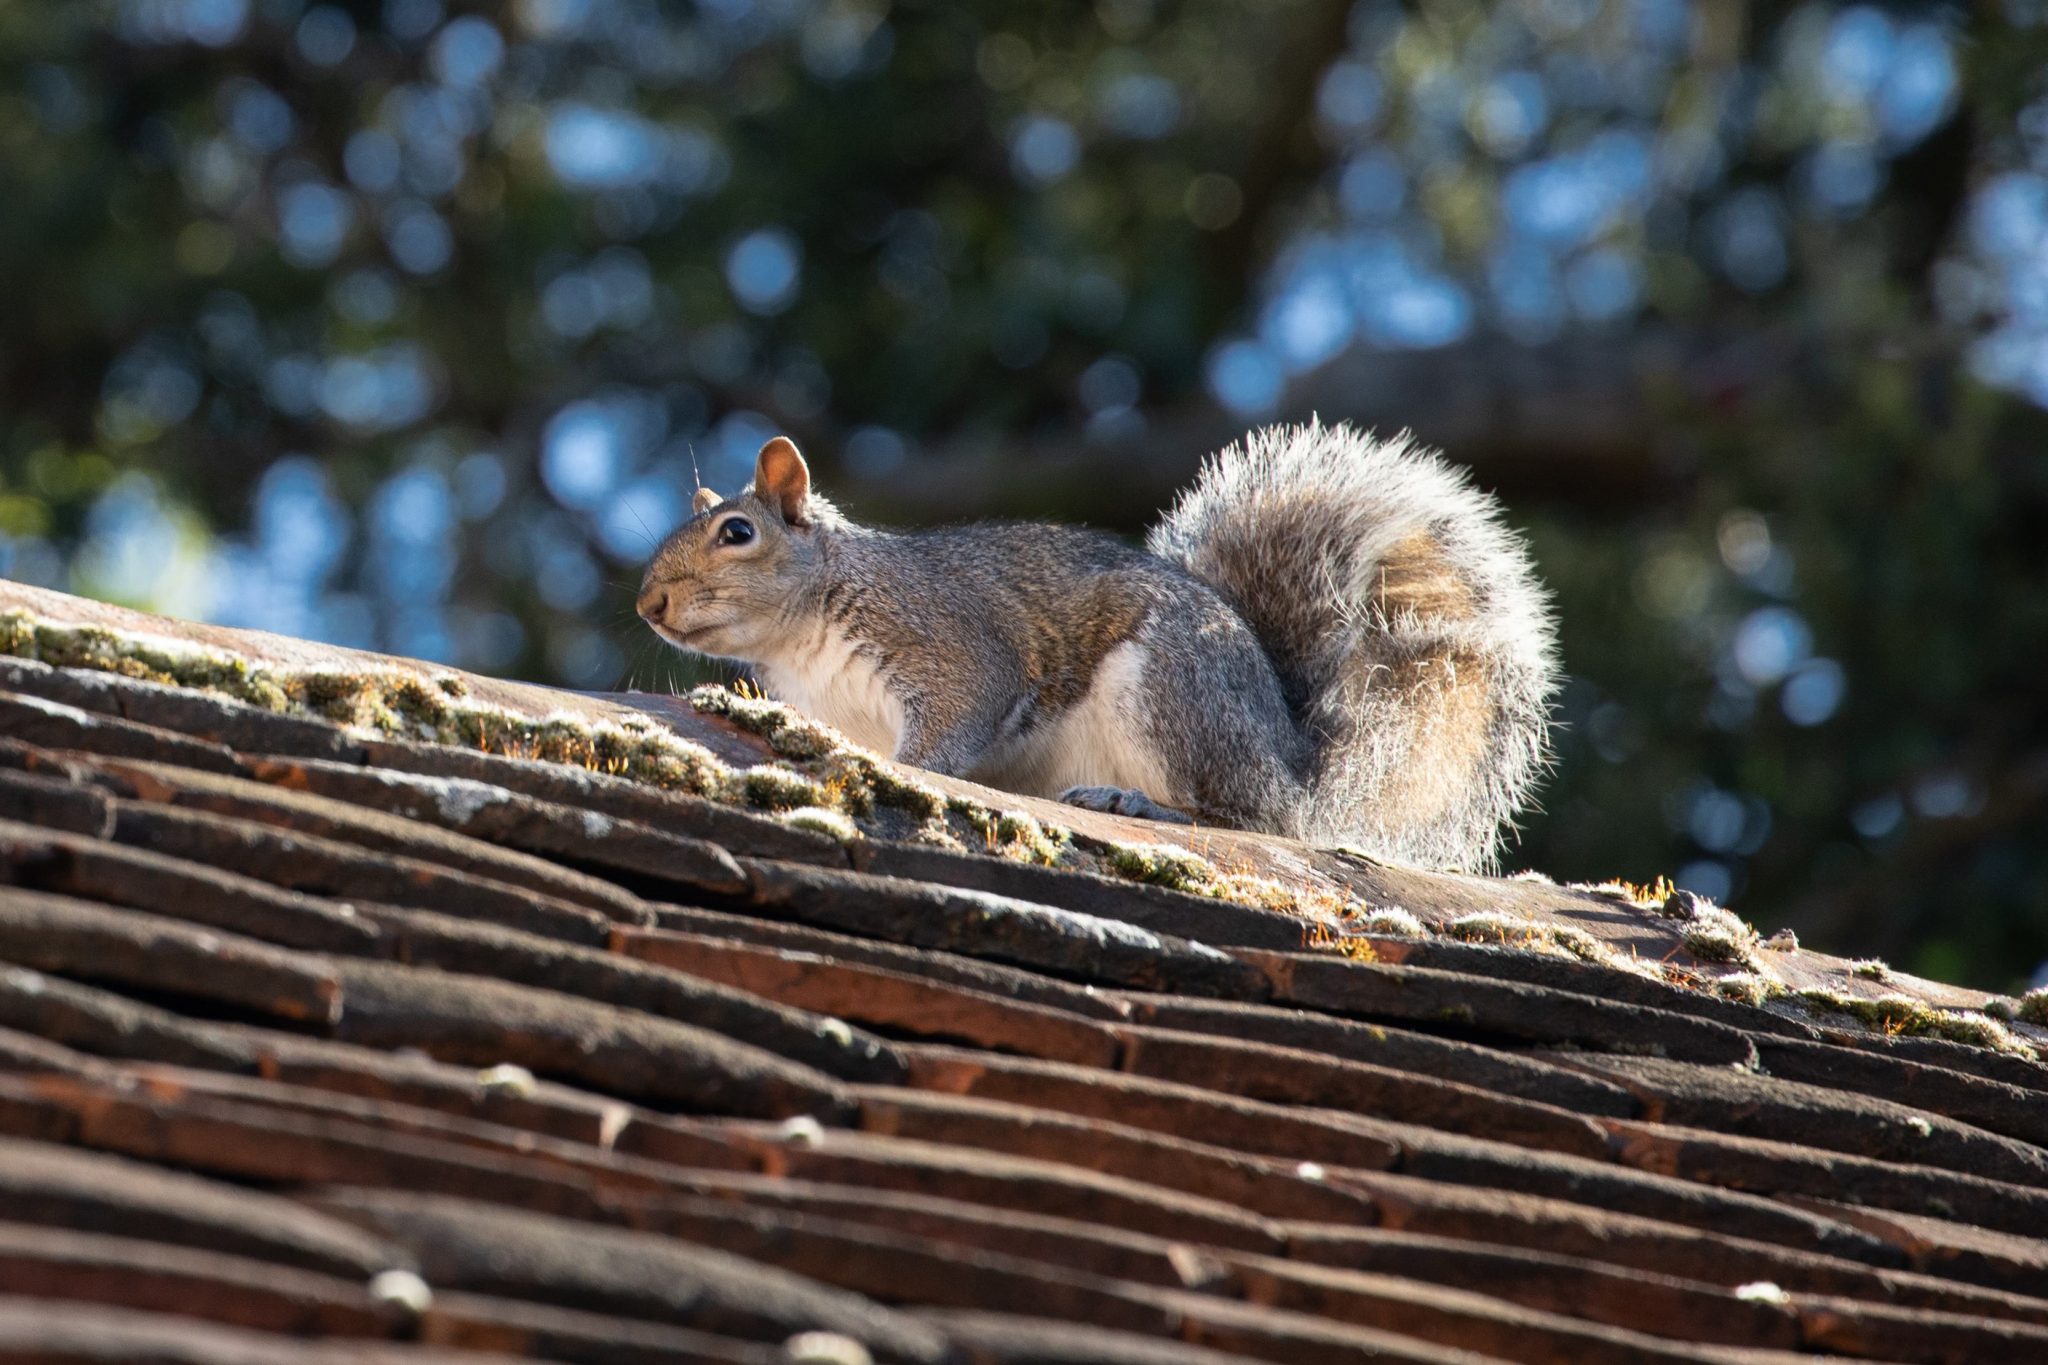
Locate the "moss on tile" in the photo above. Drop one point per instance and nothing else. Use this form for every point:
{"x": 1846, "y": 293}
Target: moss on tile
{"x": 1656, "y": 893}
{"x": 1162, "y": 865}
{"x": 2032, "y": 1007}
{"x": 1344, "y": 940}
{"x": 1750, "y": 988}
{"x": 1503, "y": 929}
{"x": 1710, "y": 933}
{"x": 1390, "y": 921}
{"x": 1576, "y": 942}
{"x": 1491, "y": 926}
{"x": 1871, "y": 969}
{"x": 788, "y": 732}
{"x": 821, "y": 820}
{"x": 1012, "y": 833}
{"x": 777, "y": 788}
{"x": 1900, "y": 1016}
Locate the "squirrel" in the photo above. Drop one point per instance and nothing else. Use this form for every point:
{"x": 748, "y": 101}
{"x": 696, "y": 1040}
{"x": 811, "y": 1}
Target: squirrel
{"x": 1330, "y": 636}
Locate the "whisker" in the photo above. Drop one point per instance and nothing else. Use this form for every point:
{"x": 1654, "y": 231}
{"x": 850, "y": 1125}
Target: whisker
{"x": 643, "y": 522}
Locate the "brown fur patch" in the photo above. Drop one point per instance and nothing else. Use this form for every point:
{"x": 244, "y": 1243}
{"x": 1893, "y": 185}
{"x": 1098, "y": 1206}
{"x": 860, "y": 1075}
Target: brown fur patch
{"x": 1417, "y": 578}
{"x": 1451, "y": 710}
{"x": 1062, "y": 662}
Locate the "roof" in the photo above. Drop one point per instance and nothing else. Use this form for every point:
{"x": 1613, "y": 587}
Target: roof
{"x": 341, "y": 1043}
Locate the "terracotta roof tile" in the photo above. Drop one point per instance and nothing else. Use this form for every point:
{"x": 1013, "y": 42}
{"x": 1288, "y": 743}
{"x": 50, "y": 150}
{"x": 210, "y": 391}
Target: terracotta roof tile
{"x": 1027, "y": 1340}
{"x": 635, "y": 1275}
{"x": 493, "y": 855}
{"x": 1583, "y": 978}
{"x": 880, "y": 998}
{"x": 627, "y": 1053}
{"x": 1003, "y": 929}
{"x": 1269, "y": 1186}
{"x": 1789, "y": 1169}
{"x": 522, "y": 1329}
{"x": 183, "y": 710}
{"x": 1217, "y": 923}
{"x": 989, "y": 977}
{"x": 346, "y": 872}
{"x": 320, "y": 1044}
{"x": 54, "y": 725}
{"x": 1770, "y": 1107}
{"x": 138, "y": 879}
{"x": 1476, "y": 1321}
{"x": 1292, "y": 1077}
{"x": 101, "y": 1022}
{"x": 131, "y": 1272}
{"x": 62, "y": 1187}
{"x": 1993, "y": 1105}
{"x": 157, "y": 956}
{"x": 1463, "y": 1003}
{"x": 45, "y": 1330}
{"x": 812, "y": 1035}
{"x": 1507, "y": 1073}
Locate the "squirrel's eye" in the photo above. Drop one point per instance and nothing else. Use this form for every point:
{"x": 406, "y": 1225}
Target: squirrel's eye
{"x": 736, "y": 531}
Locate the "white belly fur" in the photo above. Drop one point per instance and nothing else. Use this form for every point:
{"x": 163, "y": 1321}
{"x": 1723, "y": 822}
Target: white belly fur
{"x": 1099, "y": 742}
{"x": 830, "y": 680}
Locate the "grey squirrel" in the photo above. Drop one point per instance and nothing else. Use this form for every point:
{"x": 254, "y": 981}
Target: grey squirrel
{"x": 1330, "y": 636}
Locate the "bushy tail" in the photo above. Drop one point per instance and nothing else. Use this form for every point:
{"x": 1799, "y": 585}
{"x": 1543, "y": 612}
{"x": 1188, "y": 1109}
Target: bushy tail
{"x": 1405, "y": 620}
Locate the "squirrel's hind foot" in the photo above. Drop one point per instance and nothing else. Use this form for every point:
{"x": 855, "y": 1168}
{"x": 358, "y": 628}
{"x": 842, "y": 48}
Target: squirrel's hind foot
{"x": 1123, "y": 801}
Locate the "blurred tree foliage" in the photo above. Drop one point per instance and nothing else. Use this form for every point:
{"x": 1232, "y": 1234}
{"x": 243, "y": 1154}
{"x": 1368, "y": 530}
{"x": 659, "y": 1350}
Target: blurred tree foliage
{"x": 402, "y": 324}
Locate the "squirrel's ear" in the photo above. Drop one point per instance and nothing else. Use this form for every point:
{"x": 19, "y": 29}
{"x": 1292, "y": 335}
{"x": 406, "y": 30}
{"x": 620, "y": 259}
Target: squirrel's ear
{"x": 704, "y": 501}
{"x": 783, "y": 480}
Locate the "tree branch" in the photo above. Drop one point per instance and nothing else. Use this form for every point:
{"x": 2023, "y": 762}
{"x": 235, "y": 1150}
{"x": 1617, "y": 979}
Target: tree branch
{"x": 1576, "y": 418}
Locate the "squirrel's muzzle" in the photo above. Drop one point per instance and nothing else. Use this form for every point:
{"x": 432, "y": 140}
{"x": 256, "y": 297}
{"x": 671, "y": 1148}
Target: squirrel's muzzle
{"x": 653, "y": 605}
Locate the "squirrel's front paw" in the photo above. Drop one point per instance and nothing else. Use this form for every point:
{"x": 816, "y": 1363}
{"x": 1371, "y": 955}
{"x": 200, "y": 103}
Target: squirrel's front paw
{"x": 1123, "y": 801}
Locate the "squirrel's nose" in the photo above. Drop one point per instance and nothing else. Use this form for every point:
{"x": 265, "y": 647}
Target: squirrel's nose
{"x": 653, "y": 604}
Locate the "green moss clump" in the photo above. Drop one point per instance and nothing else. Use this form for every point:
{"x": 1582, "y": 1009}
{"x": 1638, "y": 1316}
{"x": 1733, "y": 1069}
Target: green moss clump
{"x": 1491, "y": 926}
{"x": 1749, "y": 988}
{"x": 418, "y": 707}
{"x": 164, "y": 662}
{"x": 17, "y": 634}
{"x": 819, "y": 820}
{"x": 1389, "y": 921}
{"x": 780, "y": 788}
{"x": 1576, "y": 942}
{"x": 788, "y": 731}
{"x": 1539, "y": 936}
{"x": 1011, "y": 833}
{"x": 1900, "y": 1016}
{"x": 337, "y": 697}
{"x": 1176, "y": 869}
{"x": 1712, "y": 934}
{"x": 891, "y": 788}
{"x": 2033, "y": 1007}
{"x": 1871, "y": 969}
{"x": 1716, "y": 943}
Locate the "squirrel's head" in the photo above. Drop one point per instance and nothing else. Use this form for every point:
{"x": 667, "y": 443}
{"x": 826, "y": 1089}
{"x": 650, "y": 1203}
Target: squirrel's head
{"x": 725, "y": 581}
